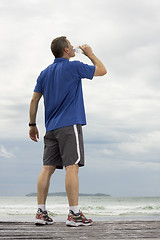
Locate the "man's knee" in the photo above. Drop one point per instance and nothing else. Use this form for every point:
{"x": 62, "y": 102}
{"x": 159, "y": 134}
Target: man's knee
{"x": 49, "y": 169}
{"x": 73, "y": 168}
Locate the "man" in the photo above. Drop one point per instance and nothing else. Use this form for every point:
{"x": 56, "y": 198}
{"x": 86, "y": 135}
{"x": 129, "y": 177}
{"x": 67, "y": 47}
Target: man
{"x": 60, "y": 85}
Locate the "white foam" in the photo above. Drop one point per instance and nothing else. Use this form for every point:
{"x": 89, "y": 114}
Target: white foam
{"x": 23, "y": 208}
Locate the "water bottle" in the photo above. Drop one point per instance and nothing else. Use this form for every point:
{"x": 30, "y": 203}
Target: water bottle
{"x": 77, "y": 50}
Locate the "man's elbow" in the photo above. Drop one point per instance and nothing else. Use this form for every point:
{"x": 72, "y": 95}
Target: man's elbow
{"x": 100, "y": 71}
{"x": 104, "y": 72}
{"x": 34, "y": 101}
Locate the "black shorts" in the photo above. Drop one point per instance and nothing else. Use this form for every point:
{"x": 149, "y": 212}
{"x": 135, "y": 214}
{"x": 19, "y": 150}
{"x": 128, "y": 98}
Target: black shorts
{"x": 64, "y": 147}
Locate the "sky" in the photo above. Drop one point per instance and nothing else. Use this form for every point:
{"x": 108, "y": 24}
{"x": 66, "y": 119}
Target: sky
{"x": 122, "y": 136}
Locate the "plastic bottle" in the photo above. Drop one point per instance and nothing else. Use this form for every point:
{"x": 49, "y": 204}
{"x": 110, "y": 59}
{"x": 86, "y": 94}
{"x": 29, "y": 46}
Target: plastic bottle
{"x": 77, "y": 50}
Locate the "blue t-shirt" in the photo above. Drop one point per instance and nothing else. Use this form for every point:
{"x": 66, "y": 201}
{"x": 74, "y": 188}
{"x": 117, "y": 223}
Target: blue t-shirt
{"x": 60, "y": 84}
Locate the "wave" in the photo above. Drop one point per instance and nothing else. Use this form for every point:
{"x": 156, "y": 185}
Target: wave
{"x": 91, "y": 210}
{"x": 97, "y": 206}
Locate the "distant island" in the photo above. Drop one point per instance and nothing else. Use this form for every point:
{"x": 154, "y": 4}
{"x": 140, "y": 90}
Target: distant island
{"x": 63, "y": 194}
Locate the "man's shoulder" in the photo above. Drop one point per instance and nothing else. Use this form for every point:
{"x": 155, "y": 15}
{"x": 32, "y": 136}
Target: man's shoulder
{"x": 49, "y": 67}
{"x": 45, "y": 70}
{"x": 75, "y": 64}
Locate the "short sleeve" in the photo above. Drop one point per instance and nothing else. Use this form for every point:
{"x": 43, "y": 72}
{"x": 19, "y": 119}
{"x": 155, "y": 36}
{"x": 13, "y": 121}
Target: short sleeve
{"x": 38, "y": 87}
{"x": 83, "y": 70}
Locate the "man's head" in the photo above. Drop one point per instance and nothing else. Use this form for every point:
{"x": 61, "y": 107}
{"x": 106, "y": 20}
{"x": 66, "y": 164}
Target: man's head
{"x": 61, "y": 47}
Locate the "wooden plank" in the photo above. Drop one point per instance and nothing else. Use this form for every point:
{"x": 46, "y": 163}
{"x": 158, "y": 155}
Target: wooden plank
{"x": 99, "y": 230}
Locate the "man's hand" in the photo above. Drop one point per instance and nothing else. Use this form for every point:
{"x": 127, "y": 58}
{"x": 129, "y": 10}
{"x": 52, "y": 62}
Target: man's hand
{"x": 34, "y": 134}
{"x": 86, "y": 50}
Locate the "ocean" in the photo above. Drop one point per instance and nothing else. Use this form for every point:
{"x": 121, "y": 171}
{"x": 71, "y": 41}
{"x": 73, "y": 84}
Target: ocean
{"x": 99, "y": 208}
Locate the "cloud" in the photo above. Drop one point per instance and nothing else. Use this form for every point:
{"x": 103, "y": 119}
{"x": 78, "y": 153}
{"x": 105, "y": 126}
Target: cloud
{"x": 146, "y": 143}
{"x": 5, "y": 153}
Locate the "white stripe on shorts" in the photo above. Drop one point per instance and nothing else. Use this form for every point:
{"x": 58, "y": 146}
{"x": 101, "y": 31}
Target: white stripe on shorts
{"x": 77, "y": 142}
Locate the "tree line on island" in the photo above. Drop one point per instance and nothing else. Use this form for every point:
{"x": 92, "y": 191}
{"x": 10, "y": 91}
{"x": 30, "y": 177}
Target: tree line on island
{"x": 63, "y": 194}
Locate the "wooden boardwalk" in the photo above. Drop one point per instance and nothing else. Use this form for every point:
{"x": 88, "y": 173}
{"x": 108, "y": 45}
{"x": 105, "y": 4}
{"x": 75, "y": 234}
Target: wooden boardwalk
{"x": 99, "y": 230}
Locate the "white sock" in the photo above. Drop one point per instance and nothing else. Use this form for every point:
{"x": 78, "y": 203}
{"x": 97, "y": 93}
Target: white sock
{"x": 42, "y": 206}
{"x": 74, "y": 209}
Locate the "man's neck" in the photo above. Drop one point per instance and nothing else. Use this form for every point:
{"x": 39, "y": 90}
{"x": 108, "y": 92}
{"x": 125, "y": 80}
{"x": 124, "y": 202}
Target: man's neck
{"x": 66, "y": 56}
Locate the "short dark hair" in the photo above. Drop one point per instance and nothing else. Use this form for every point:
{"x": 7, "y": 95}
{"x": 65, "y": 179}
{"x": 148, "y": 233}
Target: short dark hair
{"x": 57, "y": 46}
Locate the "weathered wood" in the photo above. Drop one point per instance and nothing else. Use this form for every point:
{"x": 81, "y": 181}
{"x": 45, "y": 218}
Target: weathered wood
{"x": 99, "y": 230}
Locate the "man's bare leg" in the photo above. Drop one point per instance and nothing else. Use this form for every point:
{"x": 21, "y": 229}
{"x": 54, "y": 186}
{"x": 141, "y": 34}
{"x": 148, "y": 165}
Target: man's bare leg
{"x": 43, "y": 183}
{"x": 72, "y": 184}
{"x": 42, "y": 192}
{"x": 75, "y": 218}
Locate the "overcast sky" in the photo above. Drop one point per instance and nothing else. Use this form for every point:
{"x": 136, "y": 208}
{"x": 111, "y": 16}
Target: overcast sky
{"x": 122, "y": 138}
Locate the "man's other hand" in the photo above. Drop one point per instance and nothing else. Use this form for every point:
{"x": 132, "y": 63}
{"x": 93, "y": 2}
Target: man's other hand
{"x": 34, "y": 134}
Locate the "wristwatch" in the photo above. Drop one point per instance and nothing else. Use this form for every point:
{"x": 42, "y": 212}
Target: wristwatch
{"x": 32, "y": 124}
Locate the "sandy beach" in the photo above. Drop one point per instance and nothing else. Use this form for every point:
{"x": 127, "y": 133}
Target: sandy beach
{"x": 99, "y": 230}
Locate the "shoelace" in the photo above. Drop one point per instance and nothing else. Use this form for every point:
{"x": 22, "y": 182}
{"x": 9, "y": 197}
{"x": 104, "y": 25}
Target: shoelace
{"x": 51, "y": 213}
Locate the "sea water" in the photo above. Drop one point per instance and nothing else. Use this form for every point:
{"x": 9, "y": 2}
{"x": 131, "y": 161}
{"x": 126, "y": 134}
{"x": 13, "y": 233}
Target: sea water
{"x": 100, "y": 208}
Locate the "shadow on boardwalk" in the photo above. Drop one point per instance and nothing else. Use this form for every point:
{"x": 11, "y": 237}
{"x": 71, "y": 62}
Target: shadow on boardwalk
{"x": 99, "y": 230}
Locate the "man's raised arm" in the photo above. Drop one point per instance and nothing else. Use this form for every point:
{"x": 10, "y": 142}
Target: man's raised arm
{"x": 100, "y": 69}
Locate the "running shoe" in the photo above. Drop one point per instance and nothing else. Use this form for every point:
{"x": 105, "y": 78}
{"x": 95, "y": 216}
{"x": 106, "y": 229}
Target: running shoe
{"x": 43, "y": 218}
{"x": 75, "y": 220}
